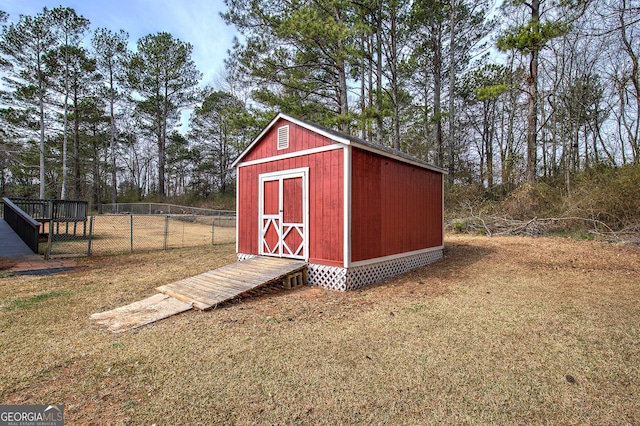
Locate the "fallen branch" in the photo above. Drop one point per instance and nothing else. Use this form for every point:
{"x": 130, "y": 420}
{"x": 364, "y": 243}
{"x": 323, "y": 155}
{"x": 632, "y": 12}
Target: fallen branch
{"x": 494, "y": 225}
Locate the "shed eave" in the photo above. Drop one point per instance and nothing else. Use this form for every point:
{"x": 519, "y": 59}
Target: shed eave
{"x": 341, "y": 139}
{"x": 293, "y": 120}
{"x": 402, "y": 159}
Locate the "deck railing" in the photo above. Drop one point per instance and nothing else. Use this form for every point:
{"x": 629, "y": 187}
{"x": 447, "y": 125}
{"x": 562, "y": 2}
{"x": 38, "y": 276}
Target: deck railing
{"x": 22, "y": 224}
{"x": 44, "y": 210}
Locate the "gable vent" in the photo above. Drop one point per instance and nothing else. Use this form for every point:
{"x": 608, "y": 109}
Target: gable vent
{"x": 283, "y": 137}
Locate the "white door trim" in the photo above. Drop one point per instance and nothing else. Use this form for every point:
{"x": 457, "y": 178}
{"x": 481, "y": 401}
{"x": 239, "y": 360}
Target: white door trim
{"x": 283, "y": 229}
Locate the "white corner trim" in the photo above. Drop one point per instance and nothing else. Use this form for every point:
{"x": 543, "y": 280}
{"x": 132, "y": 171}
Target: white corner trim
{"x": 291, "y": 155}
{"x": 395, "y": 256}
{"x": 442, "y": 224}
{"x": 237, "y": 208}
{"x": 346, "y": 252}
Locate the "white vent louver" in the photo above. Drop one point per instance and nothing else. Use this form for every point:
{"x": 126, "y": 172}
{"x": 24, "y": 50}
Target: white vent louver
{"x": 283, "y": 137}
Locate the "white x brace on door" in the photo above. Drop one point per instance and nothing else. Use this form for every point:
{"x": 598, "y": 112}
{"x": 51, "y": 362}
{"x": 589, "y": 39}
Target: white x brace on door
{"x": 284, "y": 213}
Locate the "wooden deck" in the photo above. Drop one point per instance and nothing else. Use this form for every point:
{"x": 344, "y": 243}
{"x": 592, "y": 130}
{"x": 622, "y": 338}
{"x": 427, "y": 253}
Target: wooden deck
{"x": 219, "y": 285}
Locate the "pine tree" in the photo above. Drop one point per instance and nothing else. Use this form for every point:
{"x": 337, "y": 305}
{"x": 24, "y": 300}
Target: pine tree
{"x": 163, "y": 74}
{"x": 529, "y": 39}
{"x": 69, "y": 29}
{"x": 110, "y": 50}
{"x": 26, "y": 45}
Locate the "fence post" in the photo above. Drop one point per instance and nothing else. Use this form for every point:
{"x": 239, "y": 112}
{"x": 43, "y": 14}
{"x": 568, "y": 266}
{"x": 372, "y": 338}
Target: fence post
{"x": 90, "y": 235}
{"x": 166, "y": 230}
{"x": 131, "y": 232}
{"x": 47, "y": 252}
{"x": 213, "y": 227}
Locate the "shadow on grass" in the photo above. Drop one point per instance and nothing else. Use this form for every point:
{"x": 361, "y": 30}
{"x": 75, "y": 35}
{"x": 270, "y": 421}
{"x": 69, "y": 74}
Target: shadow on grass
{"x": 432, "y": 279}
{"x": 454, "y": 265}
{"x": 463, "y": 255}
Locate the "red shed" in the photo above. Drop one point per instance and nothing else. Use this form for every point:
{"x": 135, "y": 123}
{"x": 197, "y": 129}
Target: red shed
{"x": 357, "y": 212}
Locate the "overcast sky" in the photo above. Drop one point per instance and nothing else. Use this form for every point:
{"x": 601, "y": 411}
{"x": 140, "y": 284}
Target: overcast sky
{"x": 195, "y": 21}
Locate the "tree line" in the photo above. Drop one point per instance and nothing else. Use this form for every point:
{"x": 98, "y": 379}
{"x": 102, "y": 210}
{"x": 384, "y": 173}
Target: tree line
{"x": 497, "y": 94}
{"x": 85, "y": 117}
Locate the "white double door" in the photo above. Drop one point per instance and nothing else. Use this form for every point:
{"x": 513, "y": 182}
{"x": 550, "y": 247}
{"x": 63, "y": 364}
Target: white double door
{"x": 284, "y": 212}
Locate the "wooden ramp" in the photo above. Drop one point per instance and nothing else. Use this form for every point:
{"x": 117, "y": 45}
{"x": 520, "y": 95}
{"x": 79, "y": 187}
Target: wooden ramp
{"x": 139, "y": 313}
{"x": 219, "y": 285}
{"x": 204, "y": 291}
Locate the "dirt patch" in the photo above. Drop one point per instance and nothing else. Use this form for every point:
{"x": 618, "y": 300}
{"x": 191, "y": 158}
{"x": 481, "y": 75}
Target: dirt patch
{"x": 6, "y": 264}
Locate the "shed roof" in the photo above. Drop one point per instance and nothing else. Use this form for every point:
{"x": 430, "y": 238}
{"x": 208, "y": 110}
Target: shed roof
{"x": 345, "y": 139}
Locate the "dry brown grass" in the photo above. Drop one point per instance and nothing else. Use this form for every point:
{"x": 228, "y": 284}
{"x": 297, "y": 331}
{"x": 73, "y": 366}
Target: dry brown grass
{"x": 488, "y": 335}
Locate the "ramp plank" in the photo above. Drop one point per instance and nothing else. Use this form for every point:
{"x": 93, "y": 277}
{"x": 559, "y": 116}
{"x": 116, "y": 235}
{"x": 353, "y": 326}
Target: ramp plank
{"x": 220, "y": 285}
{"x": 139, "y": 313}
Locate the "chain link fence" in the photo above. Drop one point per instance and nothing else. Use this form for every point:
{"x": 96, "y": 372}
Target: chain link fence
{"x": 104, "y": 234}
{"x": 157, "y": 208}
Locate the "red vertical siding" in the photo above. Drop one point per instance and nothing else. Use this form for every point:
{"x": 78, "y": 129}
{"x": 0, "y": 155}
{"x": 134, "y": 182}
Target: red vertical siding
{"x": 326, "y": 199}
{"x": 271, "y": 197}
{"x": 292, "y": 207}
{"x": 396, "y": 207}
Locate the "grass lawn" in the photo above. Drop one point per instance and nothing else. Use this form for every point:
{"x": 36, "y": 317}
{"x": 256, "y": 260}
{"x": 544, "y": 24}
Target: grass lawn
{"x": 501, "y": 331}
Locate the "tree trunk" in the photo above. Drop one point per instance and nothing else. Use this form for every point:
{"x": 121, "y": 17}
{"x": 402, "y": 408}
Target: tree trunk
{"x": 342, "y": 91}
{"x": 492, "y": 135}
{"x": 532, "y": 114}
{"x": 162, "y": 139}
{"x": 42, "y": 147}
{"x": 452, "y": 81}
{"x": 566, "y": 157}
{"x": 393, "y": 67}
{"x": 436, "y": 46}
{"x": 161, "y": 154}
{"x": 379, "y": 80}
{"x": 635, "y": 81}
{"x": 425, "y": 118}
{"x": 97, "y": 195}
{"x": 342, "y": 77}
{"x": 370, "y": 135}
{"x": 77, "y": 181}
{"x": 363, "y": 79}
{"x": 112, "y": 142}
{"x": 41, "y": 96}
{"x": 63, "y": 190}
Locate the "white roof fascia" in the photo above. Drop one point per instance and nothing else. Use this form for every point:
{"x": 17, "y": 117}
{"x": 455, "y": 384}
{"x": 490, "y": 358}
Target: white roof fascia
{"x": 335, "y": 138}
